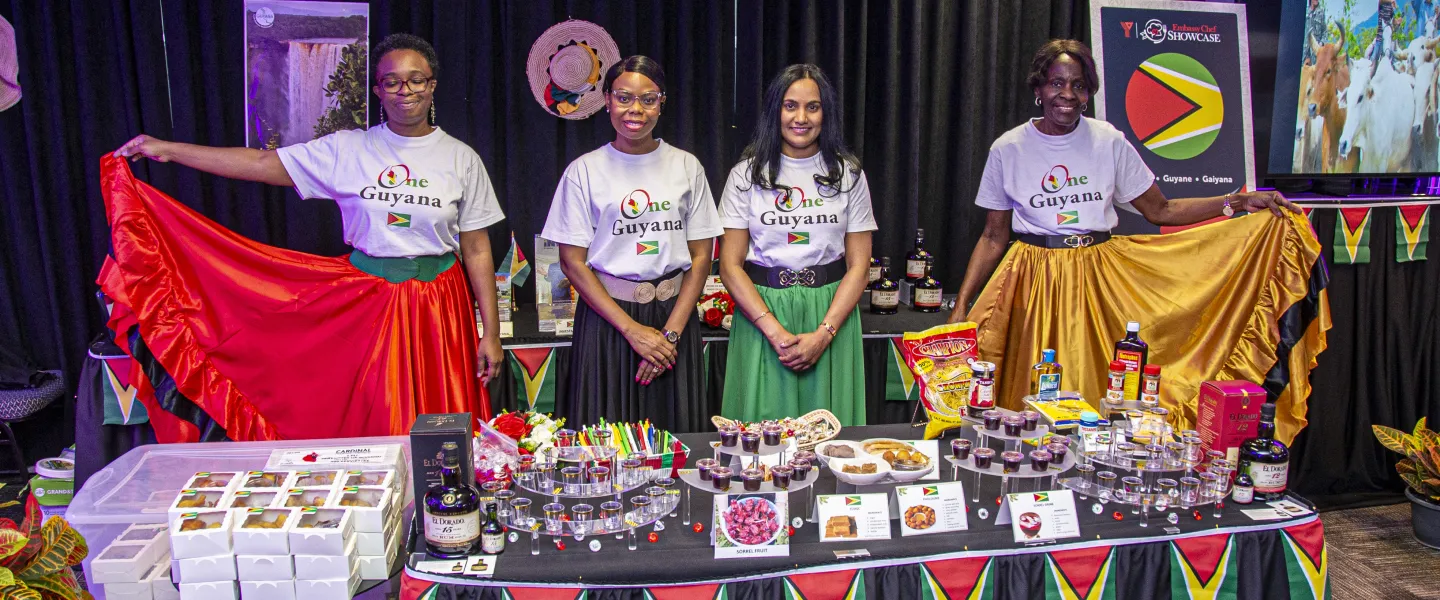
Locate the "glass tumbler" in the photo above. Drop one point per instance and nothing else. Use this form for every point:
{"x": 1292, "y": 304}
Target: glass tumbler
{"x": 1165, "y": 493}
{"x": 1189, "y": 492}
{"x": 520, "y": 512}
{"x": 503, "y": 498}
{"x": 580, "y": 524}
{"x": 570, "y": 477}
{"x": 610, "y": 517}
{"x": 554, "y": 517}
{"x": 1086, "y": 475}
{"x": 1105, "y": 482}
{"x": 1134, "y": 487}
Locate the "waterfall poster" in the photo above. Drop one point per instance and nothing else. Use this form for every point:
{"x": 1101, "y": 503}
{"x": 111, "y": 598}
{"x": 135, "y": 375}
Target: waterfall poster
{"x": 306, "y": 70}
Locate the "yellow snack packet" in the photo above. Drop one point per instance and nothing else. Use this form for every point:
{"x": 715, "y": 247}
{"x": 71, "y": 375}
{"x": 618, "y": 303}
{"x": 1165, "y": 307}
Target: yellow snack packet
{"x": 940, "y": 358}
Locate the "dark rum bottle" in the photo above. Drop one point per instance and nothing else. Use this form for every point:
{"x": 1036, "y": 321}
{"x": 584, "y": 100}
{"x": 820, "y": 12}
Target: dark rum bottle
{"x": 1134, "y": 352}
{"x": 927, "y": 290}
{"x": 1265, "y": 459}
{"x": 885, "y": 293}
{"x": 915, "y": 261}
{"x": 452, "y": 510}
{"x": 492, "y": 536}
{"x": 874, "y": 273}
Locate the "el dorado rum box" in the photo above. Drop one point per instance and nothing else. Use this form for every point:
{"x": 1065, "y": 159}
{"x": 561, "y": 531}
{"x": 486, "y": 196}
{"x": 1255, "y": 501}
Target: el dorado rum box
{"x": 426, "y": 436}
{"x": 1227, "y": 414}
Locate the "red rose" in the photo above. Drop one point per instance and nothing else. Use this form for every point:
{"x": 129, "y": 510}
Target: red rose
{"x": 713, "y": 316}
{"x": 512, "y": 425}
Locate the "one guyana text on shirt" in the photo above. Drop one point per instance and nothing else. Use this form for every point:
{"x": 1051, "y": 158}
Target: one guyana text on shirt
{"x": 789, "y": 200}
{"x": 637, "y": 204}
{"x": 398, "y": 176}
{"x": 1055, "y": 181}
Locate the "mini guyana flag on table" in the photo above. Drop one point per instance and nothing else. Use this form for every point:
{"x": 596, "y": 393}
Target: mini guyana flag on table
{"x": 1412, "y": 232}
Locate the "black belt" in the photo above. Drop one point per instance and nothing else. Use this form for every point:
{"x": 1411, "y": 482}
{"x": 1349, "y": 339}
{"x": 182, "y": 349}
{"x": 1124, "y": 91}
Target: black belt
{"x": 1078, "y": 240}
{"x": 781, "y": 277}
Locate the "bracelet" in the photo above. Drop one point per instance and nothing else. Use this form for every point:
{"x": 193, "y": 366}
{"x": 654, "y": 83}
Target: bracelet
{"x": 762, "y": 315}
{"x": 830, "y": 329}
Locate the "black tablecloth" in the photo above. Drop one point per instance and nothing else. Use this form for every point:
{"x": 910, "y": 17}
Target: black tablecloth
{"x": 681, "y": 555}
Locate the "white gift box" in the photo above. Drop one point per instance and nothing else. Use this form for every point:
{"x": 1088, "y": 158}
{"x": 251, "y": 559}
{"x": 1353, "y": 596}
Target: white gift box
{"x": 322, "y": 531}
{"x": 211, "y": 539}
{"x": 265, "y": 568}
{"x": 191, "y": 500}
{"x": 283, "y": 589}
{"x": 266, "y": 480}
{"x": 263, "y": 531}
{"x": 379, "y": 567}
{"x": 127, "y": 563}
{"x": 328, "y": 589}
{"x": 143, "y": 533}
{"x": 246, "y": 499}
{"x": 380, "y": 477}
{"x": 215, "y": 590}
{"x": 207, "y": 569}
{"x": 325, "y": 478}
{"x": 161, "y": 588}
{"x": 128, "y": 591}
{"x": 317, "y": 567}
{"x": 373, "y": 507}
{"x": 373, "y": 543}
{"x": 217, "y": 480}
{"x": 301, "y": 497}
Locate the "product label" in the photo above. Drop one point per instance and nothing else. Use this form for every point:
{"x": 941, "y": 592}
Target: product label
{"x": 492, "y": 543}
{"x": 1269, "y": 479}
{"x": 927, "y": 298}
{"x": 1243, "y": 495}
{"x": 874, "y": 274}
{"x": 1152, "y": 386}
{"x": 452, "y": 529}
{"x": 982, "y": 394}
{"x": 914, "y": 269}
{"x": 1050, "y": 384}
{"x": 1131, "y": 359}
{"x": 885, "y": 299}
{"x": 1114, "y": 396}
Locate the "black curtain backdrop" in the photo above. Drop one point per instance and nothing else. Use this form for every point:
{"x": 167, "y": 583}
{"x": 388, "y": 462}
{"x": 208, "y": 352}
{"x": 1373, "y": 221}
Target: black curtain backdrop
{"x": 926, "y": 86}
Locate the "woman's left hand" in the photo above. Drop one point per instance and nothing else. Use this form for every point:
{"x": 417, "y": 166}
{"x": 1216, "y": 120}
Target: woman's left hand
{"x": 647, "y": 372}
{"x": 1258, "y": 201}
{"x": 807, "y": 351}
{"x": 491, "y": 358}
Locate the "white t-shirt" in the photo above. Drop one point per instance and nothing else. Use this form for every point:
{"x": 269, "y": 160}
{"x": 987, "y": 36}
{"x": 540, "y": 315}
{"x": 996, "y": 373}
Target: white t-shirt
{"x": 399, "y": 196}
{"x": 803, "y": 228}
{"x": 635, "y": 213}
{"x": 1062, "y": 184}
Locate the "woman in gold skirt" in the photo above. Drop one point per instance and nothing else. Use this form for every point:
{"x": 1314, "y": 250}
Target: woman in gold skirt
{"x": 1213, "y": 300}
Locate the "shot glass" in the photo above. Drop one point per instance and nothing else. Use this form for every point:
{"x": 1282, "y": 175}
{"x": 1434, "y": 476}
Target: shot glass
{"x": 490, "y": 487}
{"x": 503, "y": 498}
{"x": 1086, "y": 474}
{"x": 641, "y": 506}
{"x": 1209, "y": 482}
{"x": 642, "y": 467}
{"x": 1165, "y": 493}
{"x": 554, "y": 517}
{"x": 1189, "y": 492}
{"x": 580, "y": 524}
{"x": 630, "y": 470}
{"x": 668, "y": 484}
{"x": 601, "y": 438}
{"x": 610, "y": 517}
{"x": 657, "y": 499}
{"x": 565, "y": 438}
{"x": 1134, "y": 487}
{"x": 599, "y": 479}
{"x": 1222, "y": 487}
{"x": 1154, "y": 456}
{"x": 570, "y": 478}
{"x": 1105, "y": 482}
{"x": 520, "y": 512}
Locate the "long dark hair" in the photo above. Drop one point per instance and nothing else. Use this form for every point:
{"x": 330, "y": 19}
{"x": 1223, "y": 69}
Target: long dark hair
{"x": 765, "y": 144}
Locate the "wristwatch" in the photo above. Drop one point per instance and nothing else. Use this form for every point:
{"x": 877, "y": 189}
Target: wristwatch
{"x": 671, "y": 336}
{"x": 1228, "y": 210}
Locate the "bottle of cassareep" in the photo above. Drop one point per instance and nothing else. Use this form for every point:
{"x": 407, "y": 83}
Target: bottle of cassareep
{"x": 1134, "y": 353}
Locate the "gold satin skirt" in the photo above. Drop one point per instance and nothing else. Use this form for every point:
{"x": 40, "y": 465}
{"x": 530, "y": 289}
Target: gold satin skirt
{"x": 1210, "y": 302}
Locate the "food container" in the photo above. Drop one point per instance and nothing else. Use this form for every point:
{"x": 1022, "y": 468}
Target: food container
{"x": 253, "y": 480}
{"x": 244, "y": 499}
{"x": 905, "y": 471}
{"x": 215, "y": 590}
{"x": 264, "y": 531}
{"x": 207, "y": 569}
{"x": 220, "y": 480}
{"x": 372, "y": 508}
{"x": 319, "y": 566}
{"x": 127, "y": 563}
{"x": 190, "y": 500}
{"x": 265, "y": 568}
{"x": 854, "y": 476}
{"x": 322, "y": 531}
{"x": 384, "y": 478}
{"x": 720, "y": 478}
{"x": 161, "y": 588}
{"x": 138, "y": 590}
{"x": 751, "y": 479}
{"x": 283, "y": 589}
{"x": 306, "y": 497}
{"x": 316, "y": 479}
{"x": 201, "y": 533}
{"x": 381, "y": 565}
{"x": 328, "y": 589}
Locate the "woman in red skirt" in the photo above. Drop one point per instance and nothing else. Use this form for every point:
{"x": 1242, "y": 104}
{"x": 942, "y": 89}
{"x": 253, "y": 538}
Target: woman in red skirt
{"x": 276, "y": 344}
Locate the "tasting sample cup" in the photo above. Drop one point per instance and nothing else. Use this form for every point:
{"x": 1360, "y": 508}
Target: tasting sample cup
{"x": 1166, "y": 491}
{"x": 982, "y": 457}
{"x": 992, "y": 419}
{"x": 520, "y": 507}
{"x": 1087, "y": 478}
{"x": 554, "y": 517}
{"x": 641, "y": 506}
{"x": 1040, "y": 460}
{"x": 642, "y": 470}
{"x": 565, "y": 438}
{"x": 610, "y": 515}
{"x": 1134, "y": 487}
{"x": 960, "y": 448}
{"x": 490, "y": 487}
{"x": 704, "y": 466}
{"x": 1189, "y": 492}
{"x": 750, "y": 442}
{"x": 657, "y": 498}
{"x": 780, "y": 476}
{"x": 1011, "y": 460}
{"x": 770, "y": 434}
{"x": 1058, "y": 451}
{"x": 805, "y": 455}
{"x": 1013, "y": 424}
{"x": 1209, "y": 483}
{"x": 580, "y": 515}
{"x": 720, "y": 478}
{"x": 601, "y": 438}
{"x": 802, "y": 469}
{"x": 1105, "y": 480}
{"x": 503, "y": 498}
{"x": 729, "y": 436}
{"x": 599, "y": 478}
{"x": 570, "y": 477}
{"x": 1154, "y": 456}
{"x": 1032, "y": 419}
{"x": 752, "y": 478}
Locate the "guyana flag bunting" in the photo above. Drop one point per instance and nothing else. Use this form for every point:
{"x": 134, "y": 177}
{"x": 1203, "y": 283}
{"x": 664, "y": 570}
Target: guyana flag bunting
{"x": 1352, "y": 236}
{"x": 1082, "y": 574}
{"x": 899, "y": 379}
{"x": 535, "y": 369}
{"x": 1412, "y": 232}
{"x": 840, "y": 585}
{"x": 956, "y": 579}
{"x": 1203, "y": 568}
{"x": 1305, "y": 561}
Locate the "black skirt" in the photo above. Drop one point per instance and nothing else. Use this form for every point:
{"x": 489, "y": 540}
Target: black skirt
{"x": 601, "y": 382}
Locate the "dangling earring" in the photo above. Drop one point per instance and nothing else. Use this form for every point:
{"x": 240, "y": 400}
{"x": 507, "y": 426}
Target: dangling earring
{"x": 382, "y": 115}
{"x": 432, "y": 112}
{"x": 1037, "y": 101}
{"x": 1084, "y": 107}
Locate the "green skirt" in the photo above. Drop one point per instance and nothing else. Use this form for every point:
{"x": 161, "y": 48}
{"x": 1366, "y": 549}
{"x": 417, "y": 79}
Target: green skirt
{"x": 759, "y": 387}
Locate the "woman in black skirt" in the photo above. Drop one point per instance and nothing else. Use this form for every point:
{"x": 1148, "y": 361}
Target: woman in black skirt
{"x": 631, "y": 218}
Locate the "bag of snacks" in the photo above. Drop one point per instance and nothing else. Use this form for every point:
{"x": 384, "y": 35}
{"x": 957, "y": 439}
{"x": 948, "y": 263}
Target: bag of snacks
{"x": 940, "y": 358}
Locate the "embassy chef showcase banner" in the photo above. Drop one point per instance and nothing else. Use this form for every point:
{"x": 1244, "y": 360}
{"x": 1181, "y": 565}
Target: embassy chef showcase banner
{"x": 1175, "y": 78}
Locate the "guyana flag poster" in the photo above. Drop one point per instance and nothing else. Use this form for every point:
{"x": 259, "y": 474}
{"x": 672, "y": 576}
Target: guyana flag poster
{"x": 1176, "y": 82}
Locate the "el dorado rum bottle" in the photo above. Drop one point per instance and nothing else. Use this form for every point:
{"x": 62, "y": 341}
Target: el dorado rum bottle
{"x": 492, "y": 536}
{"x": 1134, "y": 352}
{"x": 915, "y": 261}
{"x": 874, "y": 273}
{"x": 1265, "y": 459}
{"x": 927, "y": 290}
{"x": 885, "y": 293}
{"x": 452, "y": 510}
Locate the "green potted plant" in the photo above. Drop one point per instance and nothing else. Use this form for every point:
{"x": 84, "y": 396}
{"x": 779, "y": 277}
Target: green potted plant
{"x": 1421, "y": 471}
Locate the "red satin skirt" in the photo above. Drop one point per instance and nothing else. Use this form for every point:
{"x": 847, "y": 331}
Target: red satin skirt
{"x": 277, "y": 344}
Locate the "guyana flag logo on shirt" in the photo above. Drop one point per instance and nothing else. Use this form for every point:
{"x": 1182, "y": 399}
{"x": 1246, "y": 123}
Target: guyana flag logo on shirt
{"x": 1067, "y": 217}
{"x": 1174, "y": 106}
{"x": 801, "y": 238}
{"x": 398, "y": 220}
{"x": 647, "y": 248}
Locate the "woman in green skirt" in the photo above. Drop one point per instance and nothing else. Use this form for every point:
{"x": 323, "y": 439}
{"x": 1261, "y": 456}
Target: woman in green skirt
{"x": 795, "y": 258}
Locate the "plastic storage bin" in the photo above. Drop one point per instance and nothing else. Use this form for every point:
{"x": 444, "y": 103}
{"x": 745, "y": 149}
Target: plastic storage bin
{"x": 139, "y": 486}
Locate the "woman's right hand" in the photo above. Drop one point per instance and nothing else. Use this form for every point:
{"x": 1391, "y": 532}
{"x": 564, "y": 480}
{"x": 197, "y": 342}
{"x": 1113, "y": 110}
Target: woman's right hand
{"x": 146, "y": 146}
{"x": 651, "y": 346}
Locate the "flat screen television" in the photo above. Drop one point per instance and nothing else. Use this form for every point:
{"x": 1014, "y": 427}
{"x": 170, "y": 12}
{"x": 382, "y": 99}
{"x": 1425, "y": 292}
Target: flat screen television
{"x": 1355, "y": 92}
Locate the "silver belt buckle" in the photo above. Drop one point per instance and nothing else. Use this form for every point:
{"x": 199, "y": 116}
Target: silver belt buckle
{"x": 804, "y": 276}
{"x": 666, "y": 290}
{"x": 1079, "y": 241}
{"x": 644, "y": 293}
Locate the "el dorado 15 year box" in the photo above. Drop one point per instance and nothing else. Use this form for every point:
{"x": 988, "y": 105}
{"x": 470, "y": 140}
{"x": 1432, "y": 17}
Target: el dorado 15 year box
{"x": 426, "y": 437}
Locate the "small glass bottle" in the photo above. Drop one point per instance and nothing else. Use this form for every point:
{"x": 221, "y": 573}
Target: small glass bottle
{"x": 1244, "y": 492}
{"x": 492, "y": 536}
{"x": 982, "y": 389}
{"x": 1045, "y": 376}
{"x": 1150, "y": 386}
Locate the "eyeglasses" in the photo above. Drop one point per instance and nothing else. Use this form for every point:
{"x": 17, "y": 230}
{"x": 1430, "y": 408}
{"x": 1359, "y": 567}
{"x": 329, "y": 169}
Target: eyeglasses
{"x": 414, "y": 84}
{"x": 648, "y": 101}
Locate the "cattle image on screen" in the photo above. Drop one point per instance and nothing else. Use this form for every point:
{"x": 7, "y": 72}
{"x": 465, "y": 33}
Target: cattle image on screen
{"x": 1358, "y": 80}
